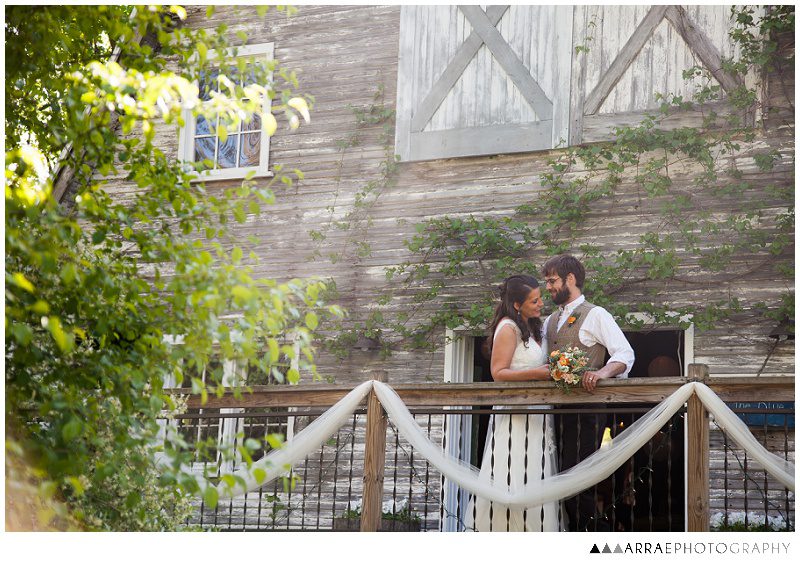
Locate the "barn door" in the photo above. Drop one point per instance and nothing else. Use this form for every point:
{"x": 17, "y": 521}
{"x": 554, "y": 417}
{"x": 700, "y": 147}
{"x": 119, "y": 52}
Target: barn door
{"x": 481, "y": 82}
{"x": 627, "y": 54}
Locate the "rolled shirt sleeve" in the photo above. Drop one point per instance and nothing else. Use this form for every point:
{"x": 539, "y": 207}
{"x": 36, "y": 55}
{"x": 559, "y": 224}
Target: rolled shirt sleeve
{"x": 600, "y": 327}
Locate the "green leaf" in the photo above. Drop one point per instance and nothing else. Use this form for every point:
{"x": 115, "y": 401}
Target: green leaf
{"x": 69, "y": 273}
{"x": 71, "y": 429}
{"x": 211, "y": 496}
{"x": 21, "y": 281}
{"x": 22, "y": 333}
{"x": 133, "y": 499}
{"x": 64, "y": 341}
{"x": 76, "y": 484}
{"x": 293, "y": 376}
{"x": 259, "y": 474}
{"x": 236, "y": 255}
{"x": 40, "y": 307}
{"x": 242, "y": 293}
{"x": 270, "y": 124}
{"x": 274, "y": 350}
{"x": 156, "y": 403}
{"x": 178, "y": 11}
{"x": 312, "y": 321}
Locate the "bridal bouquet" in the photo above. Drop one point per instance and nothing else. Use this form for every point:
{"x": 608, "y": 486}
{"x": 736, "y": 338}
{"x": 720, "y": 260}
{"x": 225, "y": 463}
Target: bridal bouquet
{"x": 568, "y": 366}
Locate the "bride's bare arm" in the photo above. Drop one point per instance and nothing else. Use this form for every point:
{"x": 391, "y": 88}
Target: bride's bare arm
{"x": 503, "y": 351}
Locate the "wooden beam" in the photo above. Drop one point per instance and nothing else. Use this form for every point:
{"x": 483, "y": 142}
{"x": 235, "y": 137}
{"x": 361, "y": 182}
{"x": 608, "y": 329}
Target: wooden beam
{"x": 577, "y": 90}
{"x": 499, "y": 139}
{"x": 626, "y": 56}
{"x": 629, "y": 390}
{"x": 455, "y": 68}
{"x": 701, "y": 46}
{"x": 517, "y": 72}
{"x": 562, "y": 73}
{"x": 374, "y": 460}
{"x": 601, "y": 127}
{"x": 697, "y": 454}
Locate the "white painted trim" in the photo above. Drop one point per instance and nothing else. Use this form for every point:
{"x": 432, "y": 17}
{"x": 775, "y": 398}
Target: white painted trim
{"x": 186, "y": 134}
{"x": 459, "y": 352}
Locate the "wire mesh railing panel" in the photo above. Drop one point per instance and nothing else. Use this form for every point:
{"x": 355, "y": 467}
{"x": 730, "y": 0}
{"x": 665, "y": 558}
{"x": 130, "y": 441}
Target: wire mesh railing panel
{"x": 742, "y": 495}
{"x": 323, "y": 491}
{"x": 323, "y": 486}
{"x": 411, "y": 486}
{"x": 645, "y": 494}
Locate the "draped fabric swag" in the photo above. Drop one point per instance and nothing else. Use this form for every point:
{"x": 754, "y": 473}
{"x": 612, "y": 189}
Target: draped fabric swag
{"x": 587, "y": 473}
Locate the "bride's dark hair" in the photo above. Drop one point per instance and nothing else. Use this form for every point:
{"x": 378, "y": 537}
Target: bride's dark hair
{"x": 515, "y": 289}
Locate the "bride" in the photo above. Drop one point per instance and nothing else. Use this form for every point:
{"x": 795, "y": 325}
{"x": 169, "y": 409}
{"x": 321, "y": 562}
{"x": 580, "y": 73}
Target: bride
{"x": 518, "y": 447}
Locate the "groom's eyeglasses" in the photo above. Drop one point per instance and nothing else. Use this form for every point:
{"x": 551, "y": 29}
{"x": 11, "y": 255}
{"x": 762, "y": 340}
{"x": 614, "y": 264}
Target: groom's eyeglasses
{"x": 551, "y": 281}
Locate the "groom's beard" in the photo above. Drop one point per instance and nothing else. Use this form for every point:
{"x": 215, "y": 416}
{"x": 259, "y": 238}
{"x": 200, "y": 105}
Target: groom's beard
{"x": 561, "y": 296}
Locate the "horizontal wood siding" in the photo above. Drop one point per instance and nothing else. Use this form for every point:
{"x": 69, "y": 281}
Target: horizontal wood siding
{"x": 342, "y": 54}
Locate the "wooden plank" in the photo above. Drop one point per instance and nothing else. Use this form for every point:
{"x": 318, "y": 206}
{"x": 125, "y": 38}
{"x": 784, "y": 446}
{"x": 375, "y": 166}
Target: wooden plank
{"x": 697, "y": 506}
{"x": 521, "y": 77}
{"x": 629, "y": 390}
{"x": 374, "y": 460}
{"x": 697, "y": 451}
{"x": 562, "y": 74}
{"x": 577, "y": 91}
{"x": 624, "y": 59}
{"x": 427, "y": 108}
{"x": 699, "y": 43}
{"x": 601, "y": 127}
{"x": 405, "y": 69}
{"x": 499, "y": 139}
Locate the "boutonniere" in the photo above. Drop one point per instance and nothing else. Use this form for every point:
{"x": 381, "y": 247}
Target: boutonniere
{"x": 571, "y": 320}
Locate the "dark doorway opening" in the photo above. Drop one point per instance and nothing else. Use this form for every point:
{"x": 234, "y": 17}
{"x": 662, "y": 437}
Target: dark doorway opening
{"x": 480, "y": 423}
{"x": 647, "y": 493}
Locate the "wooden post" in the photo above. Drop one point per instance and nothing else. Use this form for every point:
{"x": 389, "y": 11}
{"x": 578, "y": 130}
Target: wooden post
{"x": 374, "y": 460}
{"x": 697, "y": 504}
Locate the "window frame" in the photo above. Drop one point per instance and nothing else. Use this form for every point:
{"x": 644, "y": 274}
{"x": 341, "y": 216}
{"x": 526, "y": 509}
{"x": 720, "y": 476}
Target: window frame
{"x": 186, "y": 137}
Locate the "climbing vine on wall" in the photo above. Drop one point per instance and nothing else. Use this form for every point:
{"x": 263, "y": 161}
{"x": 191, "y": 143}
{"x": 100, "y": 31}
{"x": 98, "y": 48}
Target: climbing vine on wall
{"x": 713, "y": 224}
{"x": 708, "y": 218}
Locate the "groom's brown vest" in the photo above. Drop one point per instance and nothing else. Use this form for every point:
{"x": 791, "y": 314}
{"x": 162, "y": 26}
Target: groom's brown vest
{"x": 569, "y": 335}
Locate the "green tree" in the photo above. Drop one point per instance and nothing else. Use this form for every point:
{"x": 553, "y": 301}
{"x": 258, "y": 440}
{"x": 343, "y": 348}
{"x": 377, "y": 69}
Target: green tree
{"x": 93, "y": 291}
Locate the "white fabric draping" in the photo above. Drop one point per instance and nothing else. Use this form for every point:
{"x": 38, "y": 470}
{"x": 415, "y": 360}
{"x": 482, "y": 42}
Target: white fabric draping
{"x": 276, "y": 462}
{"x": 589, "y": 472}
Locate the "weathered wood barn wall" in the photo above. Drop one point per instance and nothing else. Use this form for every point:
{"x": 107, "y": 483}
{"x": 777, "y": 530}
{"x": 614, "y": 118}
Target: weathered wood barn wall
{"x": 345, "y": 55}
{"x": 474, "y": 131}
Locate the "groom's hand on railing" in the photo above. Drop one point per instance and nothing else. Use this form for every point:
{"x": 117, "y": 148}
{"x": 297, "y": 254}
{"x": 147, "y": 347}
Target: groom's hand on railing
{"x": 590, "y": 380}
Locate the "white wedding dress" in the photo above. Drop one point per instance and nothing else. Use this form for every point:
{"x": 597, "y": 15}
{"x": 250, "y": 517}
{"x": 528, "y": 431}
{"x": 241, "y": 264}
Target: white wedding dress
{"x": 518, "y": 448}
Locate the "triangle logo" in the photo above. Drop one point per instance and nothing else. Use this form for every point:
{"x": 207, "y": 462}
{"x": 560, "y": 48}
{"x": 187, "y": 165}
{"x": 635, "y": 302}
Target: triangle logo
{"x": 606, "y": 549}
{"x": 594, "y": 549}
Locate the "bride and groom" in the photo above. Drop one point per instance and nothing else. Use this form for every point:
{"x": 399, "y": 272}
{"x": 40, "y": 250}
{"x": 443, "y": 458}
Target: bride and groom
{"x": 521, "y": 447}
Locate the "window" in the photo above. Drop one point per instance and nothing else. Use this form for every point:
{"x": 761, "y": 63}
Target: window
{"x": 245, "y": 150}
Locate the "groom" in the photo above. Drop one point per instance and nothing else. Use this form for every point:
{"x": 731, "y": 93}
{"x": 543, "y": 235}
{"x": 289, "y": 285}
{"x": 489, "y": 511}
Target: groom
{"x": 592, "y": 329}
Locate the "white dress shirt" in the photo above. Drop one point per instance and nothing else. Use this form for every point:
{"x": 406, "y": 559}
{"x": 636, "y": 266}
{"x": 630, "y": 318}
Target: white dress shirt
{"x": 598, "y": 327}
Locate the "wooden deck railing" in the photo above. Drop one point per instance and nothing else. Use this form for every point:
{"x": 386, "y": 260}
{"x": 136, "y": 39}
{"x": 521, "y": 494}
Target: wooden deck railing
{"x": 632, "y": 390}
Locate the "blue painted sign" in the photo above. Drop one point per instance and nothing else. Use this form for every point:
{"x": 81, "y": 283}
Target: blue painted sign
{"x": 759, "y": 418}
